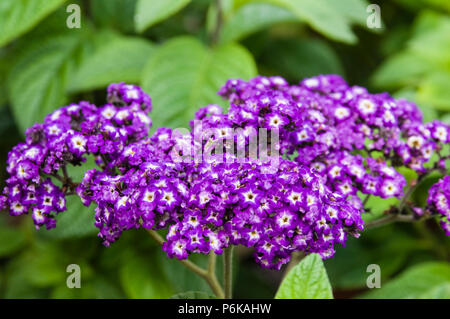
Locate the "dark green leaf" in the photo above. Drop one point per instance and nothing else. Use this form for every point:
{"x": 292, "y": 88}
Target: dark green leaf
{"x": 323, "y": 16}
{"x": 118, "y": 14}
{"x": 414, "y": 281}
{"x": 78, "y": 221}
{"x": 297, "y": 59}
{"x": 119, "y": 59}
{"x": 37, "y": 81}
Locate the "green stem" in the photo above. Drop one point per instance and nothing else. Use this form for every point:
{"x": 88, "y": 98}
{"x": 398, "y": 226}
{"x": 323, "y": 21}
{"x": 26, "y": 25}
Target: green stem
{"x": 228, "y": 272}
{"x": 211, "y": 278}
{"x": 395, "y": 218}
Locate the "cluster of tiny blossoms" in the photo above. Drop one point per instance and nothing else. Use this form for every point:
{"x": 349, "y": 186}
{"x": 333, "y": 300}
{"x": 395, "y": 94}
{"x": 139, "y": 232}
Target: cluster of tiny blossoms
{"x": 331, "y": 143}
{"x": 352, "y": 138}
{"x": 209, "y": 206}
{"x": 65, "y": 138}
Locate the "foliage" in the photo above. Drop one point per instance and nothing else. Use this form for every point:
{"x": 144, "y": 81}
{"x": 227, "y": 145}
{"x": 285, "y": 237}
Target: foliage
{"x": 307, "y": 280}
{"x": 181, "y": 47}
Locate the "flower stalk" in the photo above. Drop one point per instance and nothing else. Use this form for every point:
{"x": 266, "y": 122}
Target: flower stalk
{"x": 228, "y": 272}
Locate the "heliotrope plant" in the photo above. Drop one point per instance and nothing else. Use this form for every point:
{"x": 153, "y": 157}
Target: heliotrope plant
{"x": 329, "y": 147}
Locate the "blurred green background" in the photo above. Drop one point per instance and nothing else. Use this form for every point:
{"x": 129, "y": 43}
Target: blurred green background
{"x": 181, "y": 52}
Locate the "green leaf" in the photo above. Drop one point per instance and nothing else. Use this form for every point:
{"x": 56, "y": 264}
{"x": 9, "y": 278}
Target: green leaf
{"x": 307, "y": 280}
{"x": 353, "y": 10}
{"x": 424, "y": 65}
{"x": 433, "y": 44}
{"x": 183, "y": 75}
{"x": 119, "y": 59}
{"x": 193, "y": 295}
{"x": 252, "y": 18}
{"x": 38, "y": 78}
{"x": 19, "y": 16}
{"x": 117, "y": 14}
{"x": 414, "y": 282}
{"x": 78, "y": 221}
{"x": 377, "y": 206}
{"x": 298, "y": 59}
{"x": 399, "y": 70}
{"x": 11, "y": 241}
{"x": 150, "y": 12}
{"x": 326, "y": 16}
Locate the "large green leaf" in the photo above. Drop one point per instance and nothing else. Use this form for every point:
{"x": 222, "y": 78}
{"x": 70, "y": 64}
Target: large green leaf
{"x": 37, "y": 80}
{"x": 399, "y": 70}
{"x": 184, "y": 75}
{"x": 19, "y": 16}
{"x": 424, "y": 65}
{"x": 73, "y": 61}
{"x": 150, "y": 12}
{"x": 119, "y": 59}
{"x": 252, "y": 18}
{"x": 143, "y": 278}
{"x": 414, "y": 282}
{"x": 433, "y": 44}
{"x": 332, "y": 19}
{"x": 307, "y": 280}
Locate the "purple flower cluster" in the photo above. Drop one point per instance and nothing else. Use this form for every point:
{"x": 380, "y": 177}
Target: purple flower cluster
{"x": 333, "y": 143}
{"x": 439, "y": 202}
{"x": 350, "y": 137}
{"x": 209, "y": 206}
{"x": 66, "y": 137}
